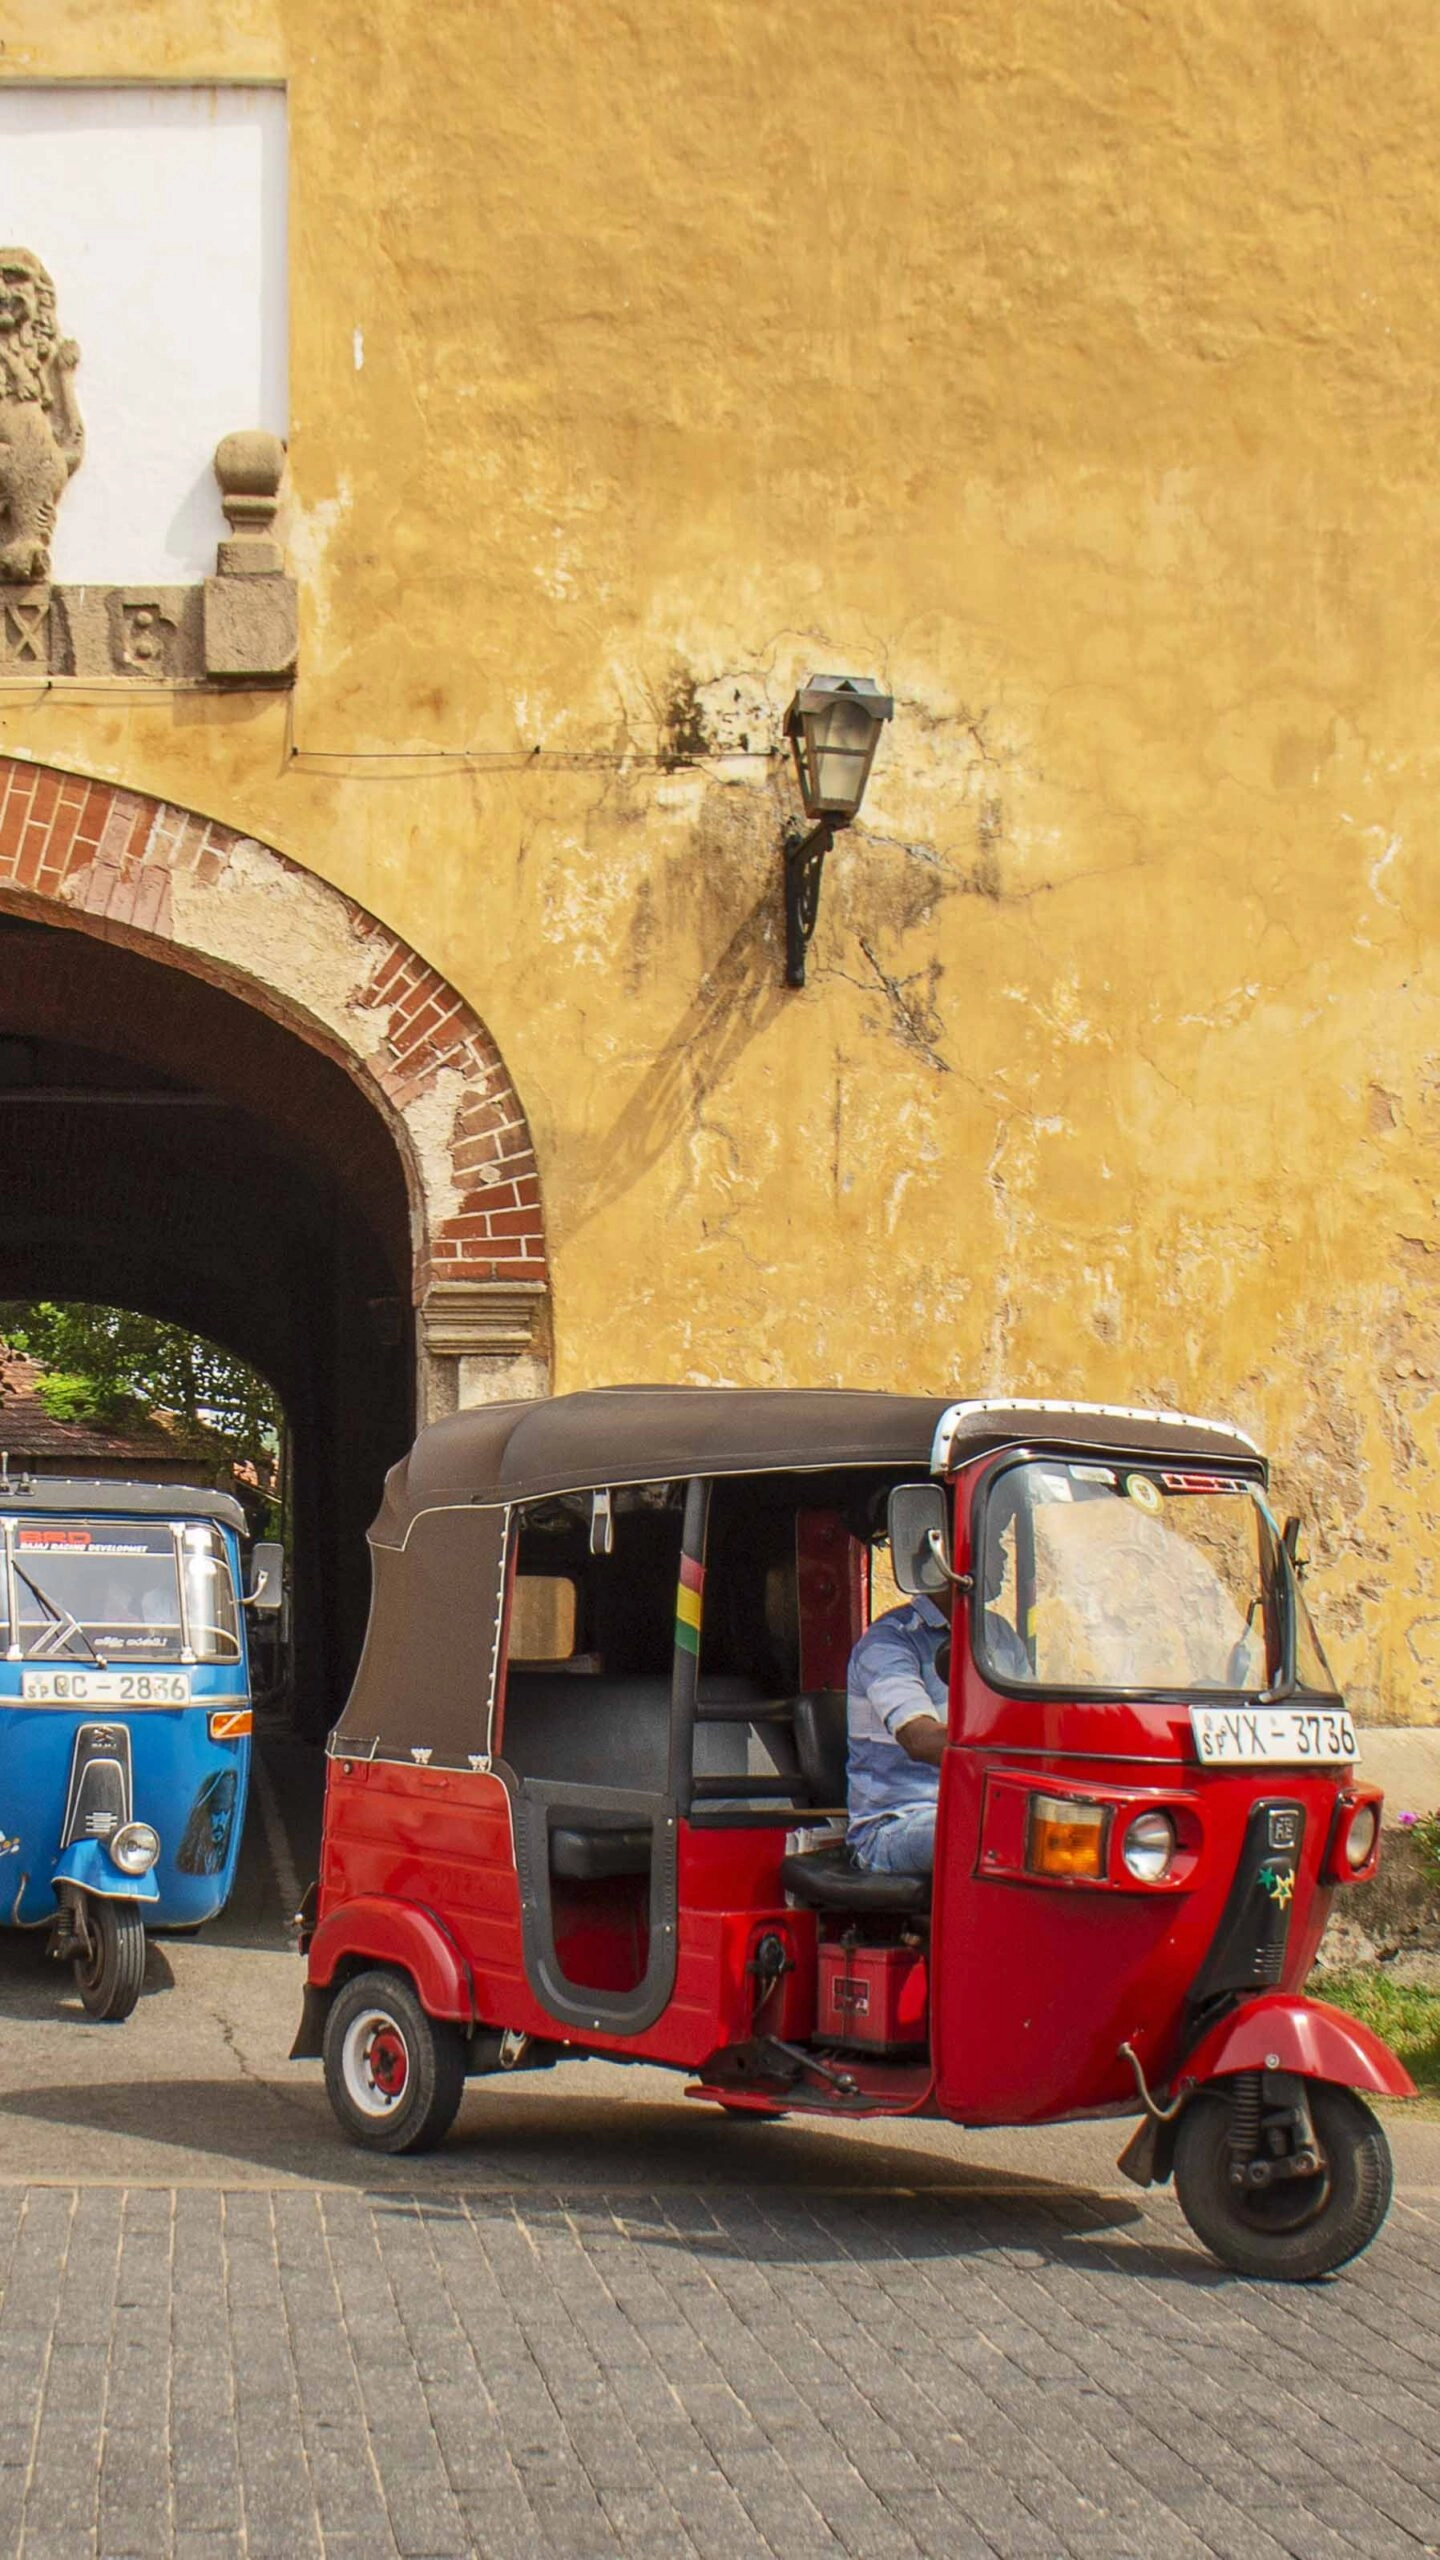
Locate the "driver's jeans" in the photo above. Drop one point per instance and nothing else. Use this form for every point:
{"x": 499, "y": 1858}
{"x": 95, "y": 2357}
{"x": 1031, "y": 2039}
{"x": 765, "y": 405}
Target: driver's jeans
{"x": 904, "y": 1845}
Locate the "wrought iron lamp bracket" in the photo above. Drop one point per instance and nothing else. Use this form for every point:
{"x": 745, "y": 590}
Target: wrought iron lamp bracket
{"x": 805, "y": 851}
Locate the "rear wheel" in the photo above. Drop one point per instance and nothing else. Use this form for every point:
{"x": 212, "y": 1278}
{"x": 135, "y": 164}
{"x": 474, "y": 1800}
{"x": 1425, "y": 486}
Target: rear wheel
{"x": 1296, "y": 2228}
{"x": 395, "y": 2076}
{"x": 110, "y": 1967}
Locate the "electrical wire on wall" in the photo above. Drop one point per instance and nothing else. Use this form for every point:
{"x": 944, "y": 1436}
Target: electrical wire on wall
{"x": 398, "y": 764}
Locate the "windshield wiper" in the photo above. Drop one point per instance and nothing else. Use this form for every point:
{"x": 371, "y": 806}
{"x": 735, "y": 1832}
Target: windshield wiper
{"x": 65, "y": 1625}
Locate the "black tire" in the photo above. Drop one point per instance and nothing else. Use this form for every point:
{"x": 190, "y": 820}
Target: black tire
{"x": 1299, "y": 2228}
{"x": 395, "y": 2076}
{"x": 110, "y": 1973}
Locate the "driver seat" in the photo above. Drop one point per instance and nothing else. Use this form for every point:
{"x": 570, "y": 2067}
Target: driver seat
{"x": 830, "y": 1880}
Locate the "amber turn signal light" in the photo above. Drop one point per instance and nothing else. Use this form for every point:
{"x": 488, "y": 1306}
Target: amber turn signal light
{"x": 1064, "y": 1838}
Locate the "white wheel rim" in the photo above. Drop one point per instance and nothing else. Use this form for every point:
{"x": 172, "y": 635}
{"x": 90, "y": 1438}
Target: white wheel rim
{"x": 367, "y": 2063}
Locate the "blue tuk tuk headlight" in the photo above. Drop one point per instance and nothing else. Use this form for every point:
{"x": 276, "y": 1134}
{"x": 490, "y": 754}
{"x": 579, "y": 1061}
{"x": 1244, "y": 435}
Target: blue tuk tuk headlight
{"x": 134, "y": 1848}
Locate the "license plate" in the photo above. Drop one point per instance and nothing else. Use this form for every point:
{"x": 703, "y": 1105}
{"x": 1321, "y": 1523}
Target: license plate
{"x": 82, "y": 1688}
{"x": 1226, "y": 1736}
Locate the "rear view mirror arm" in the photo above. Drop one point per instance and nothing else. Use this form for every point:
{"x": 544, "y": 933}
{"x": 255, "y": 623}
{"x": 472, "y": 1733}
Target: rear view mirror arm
{"x": 936, "y": 1544}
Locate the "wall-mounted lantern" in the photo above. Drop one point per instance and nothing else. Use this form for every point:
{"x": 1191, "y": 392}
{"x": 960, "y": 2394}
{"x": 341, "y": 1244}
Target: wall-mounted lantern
{"x": 833, "y": 726}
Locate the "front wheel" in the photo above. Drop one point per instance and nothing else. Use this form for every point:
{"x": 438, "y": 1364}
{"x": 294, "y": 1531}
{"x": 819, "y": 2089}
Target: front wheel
{"x": 1296, "y": 2228}
{"x": 110, "y": 1967}
{"x": 395, "y": 2075}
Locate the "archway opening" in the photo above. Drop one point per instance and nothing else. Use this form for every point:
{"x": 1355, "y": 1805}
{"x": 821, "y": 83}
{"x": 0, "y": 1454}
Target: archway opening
{"x": 167, "y": 1147}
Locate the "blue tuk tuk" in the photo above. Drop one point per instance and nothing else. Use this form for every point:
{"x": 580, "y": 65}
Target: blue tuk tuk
{"x": 125, "y": 1716}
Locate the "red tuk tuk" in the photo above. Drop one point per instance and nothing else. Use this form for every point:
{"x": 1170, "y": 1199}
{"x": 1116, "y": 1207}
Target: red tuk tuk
{"x": 588, "y": 1792}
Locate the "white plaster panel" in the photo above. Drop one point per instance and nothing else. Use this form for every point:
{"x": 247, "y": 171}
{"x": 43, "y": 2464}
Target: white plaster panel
{"x": 160, "y": 213}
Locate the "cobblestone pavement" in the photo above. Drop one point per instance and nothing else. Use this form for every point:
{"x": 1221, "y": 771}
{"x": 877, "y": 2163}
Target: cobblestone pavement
{"x": 600, "y": 2320}
{"x": 1013, "y": 2370}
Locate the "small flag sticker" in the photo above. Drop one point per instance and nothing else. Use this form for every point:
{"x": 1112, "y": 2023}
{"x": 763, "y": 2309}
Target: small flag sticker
{"x": 688, "y": 1605}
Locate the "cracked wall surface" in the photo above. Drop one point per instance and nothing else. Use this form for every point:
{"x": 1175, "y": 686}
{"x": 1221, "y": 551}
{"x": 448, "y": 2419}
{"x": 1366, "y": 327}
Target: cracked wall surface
{"x": 1086, "y": 400}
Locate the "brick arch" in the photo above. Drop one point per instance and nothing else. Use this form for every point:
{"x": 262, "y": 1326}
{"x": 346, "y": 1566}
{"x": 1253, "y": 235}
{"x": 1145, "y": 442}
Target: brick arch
{"x": 225, "y": 907}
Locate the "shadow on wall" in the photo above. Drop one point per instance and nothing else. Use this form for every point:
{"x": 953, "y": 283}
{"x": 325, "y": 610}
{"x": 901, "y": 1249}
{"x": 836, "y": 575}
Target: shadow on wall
{"x": 736, "y": 1000}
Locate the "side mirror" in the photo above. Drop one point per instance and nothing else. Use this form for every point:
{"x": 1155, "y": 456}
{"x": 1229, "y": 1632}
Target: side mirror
{"x": 919, "y": 1538}
{"x": 1290, "y": 1541}
{"x": 268, "y": 1564}
{"x": 602, "y": 1523}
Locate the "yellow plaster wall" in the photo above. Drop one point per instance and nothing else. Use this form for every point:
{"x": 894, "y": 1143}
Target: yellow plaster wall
{"x": 1073, "y": 372}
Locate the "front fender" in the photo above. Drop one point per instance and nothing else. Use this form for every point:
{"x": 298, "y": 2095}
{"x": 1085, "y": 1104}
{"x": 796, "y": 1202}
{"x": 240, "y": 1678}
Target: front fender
{"x": 85, "y": 1864}
{"x": 396, "y": 1933}
{"x": 1280, "y": 2032}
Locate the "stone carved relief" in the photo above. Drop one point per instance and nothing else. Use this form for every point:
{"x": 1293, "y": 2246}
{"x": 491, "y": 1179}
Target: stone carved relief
{"x": 25, "y": 627}
{"x": 148, "y": 635}
{"x": 41, "y": 437}
{"x": 238, "y": 628}
{"x": 148, "y": 639}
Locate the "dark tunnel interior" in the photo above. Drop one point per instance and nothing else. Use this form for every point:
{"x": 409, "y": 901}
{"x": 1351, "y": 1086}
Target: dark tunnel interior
{"x": 167, "y": 1147}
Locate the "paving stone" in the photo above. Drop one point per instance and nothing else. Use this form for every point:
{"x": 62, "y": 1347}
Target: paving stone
{"x": 696, "y": 2377}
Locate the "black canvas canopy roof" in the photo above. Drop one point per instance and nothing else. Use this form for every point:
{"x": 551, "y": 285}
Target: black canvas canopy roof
{"x": 426, "y": 1682}
{"x": 507, "y": 1453}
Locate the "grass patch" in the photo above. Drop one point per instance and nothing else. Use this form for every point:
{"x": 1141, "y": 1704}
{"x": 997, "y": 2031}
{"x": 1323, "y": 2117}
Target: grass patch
{"x": 1406, "y": 2015}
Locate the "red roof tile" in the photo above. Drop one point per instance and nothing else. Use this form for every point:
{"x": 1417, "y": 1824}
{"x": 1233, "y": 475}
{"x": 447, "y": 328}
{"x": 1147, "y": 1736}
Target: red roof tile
{"x": 27, "y": 1431}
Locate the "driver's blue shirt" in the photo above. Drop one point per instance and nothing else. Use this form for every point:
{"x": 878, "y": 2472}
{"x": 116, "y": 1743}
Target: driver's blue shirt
{"x": 893, "y": 1679}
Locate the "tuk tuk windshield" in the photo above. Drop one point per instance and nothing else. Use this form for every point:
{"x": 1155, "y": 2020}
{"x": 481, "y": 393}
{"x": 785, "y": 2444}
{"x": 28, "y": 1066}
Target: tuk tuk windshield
{"x": 112, "y": 1588}
{"x": 1115, "y": 1578}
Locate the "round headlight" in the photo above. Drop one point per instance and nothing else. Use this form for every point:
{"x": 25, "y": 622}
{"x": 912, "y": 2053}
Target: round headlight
{"x": 1360, "y": 1838}
{"x": 1149, "y": 1846}
{"x": 134, "y": 1848}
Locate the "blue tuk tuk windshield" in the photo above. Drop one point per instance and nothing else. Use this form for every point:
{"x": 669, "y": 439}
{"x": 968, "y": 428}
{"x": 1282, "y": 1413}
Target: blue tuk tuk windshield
{"x": 1122, "y": 1579}
{"x": 117, "y": 1590}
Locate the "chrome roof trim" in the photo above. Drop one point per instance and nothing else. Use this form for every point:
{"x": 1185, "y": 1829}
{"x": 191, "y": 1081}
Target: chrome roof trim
{"x": 976, "y": 1407}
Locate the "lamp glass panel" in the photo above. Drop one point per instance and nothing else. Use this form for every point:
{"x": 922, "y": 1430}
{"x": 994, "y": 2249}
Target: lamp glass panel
{"x": 844, "y": 736}
{"x": 802, "y": 748}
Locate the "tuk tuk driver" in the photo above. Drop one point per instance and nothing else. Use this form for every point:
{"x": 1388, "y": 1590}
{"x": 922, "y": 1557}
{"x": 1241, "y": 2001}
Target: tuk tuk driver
{"x": 898, "y": 1688}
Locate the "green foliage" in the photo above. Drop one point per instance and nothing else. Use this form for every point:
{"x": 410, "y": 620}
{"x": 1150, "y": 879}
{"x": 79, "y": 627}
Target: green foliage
{"x": 105, "y": 1365}
{"x": 1404, "y": 2013}
{"x": 81, "y": 1399}
{"x": 1424, "y": 1830}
